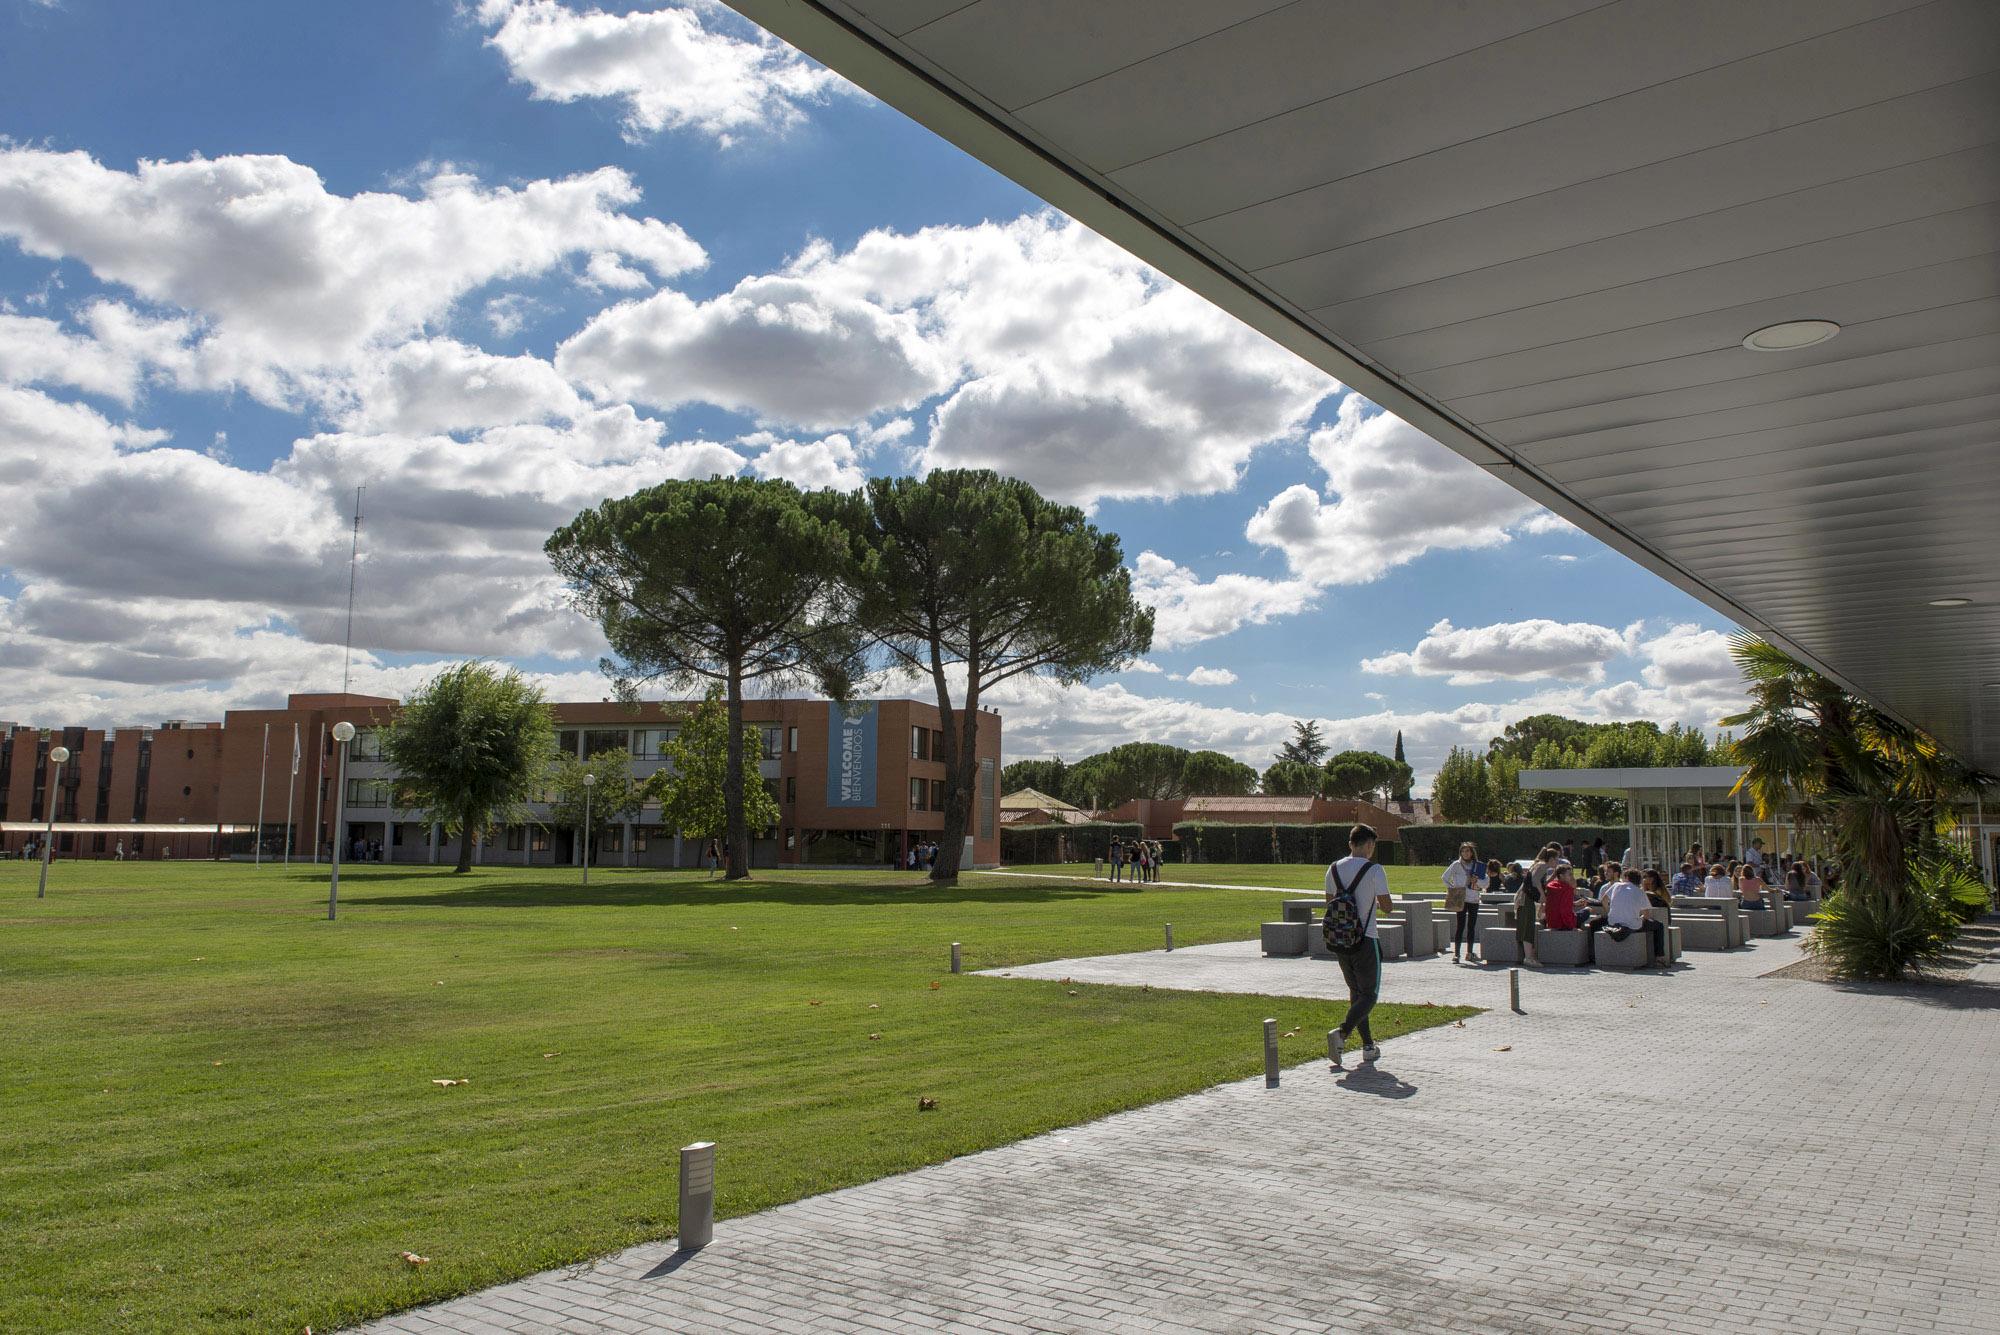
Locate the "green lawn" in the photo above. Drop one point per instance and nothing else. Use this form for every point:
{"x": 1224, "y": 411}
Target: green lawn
{"x": 219, "y": 1108}
{"x": 1287, "y": 875}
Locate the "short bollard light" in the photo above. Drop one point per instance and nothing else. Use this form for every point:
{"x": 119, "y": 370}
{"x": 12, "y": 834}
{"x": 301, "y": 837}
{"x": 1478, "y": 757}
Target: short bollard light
{"x": 1514, "y": 990}
{"x": 697, "y": 1217}
{"x": 1270, "y": 1054}
{"x": 1170, "y": 936}
{"x": 954, "y": 957}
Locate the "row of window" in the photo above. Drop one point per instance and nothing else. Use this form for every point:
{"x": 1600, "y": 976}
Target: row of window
{"x": 652, "y": 743}
{"x": 927, "y": 794}
{"x": 926, "y": 743}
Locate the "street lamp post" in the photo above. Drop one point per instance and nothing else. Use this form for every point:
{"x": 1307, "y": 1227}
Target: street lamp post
{"x": 589, "y": 782}
{"x": 343, "y": 732}
{"x": 61, "y": 756}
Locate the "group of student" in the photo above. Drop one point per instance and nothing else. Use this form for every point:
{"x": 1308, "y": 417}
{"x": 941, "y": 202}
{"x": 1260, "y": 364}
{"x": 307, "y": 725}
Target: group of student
{"x": 1618, "y": 900}
{"x": 921, "y": 857}
{"x": 1133, "y": 859}
{"x": 1747, "y": 880}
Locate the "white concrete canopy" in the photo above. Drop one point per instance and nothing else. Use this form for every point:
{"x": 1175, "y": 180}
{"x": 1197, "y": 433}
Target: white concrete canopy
{"x": 1720, "y": 779}
{"x": 1540, "y": 231}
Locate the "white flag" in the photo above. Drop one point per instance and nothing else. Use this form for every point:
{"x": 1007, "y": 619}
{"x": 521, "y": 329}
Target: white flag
{"x": 296, "y": 757}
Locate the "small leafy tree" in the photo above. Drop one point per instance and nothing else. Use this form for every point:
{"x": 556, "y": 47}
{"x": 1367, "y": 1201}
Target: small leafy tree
{"x": 1292, "y": 778}
{"x": 728, "y": 581}
{"x": 1306, "y": 746}
{"x": 1462, "y": 789}
{"x": 690, "y": 788}
{"x": 971, "y": 579}
{"x": 615, "y": 796}
{"x": 471, "y": 747}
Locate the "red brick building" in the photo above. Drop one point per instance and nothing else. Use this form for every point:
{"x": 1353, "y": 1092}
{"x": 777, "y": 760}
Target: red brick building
{"x": 856, "y": 786}
{"x": 1159, "y": 816}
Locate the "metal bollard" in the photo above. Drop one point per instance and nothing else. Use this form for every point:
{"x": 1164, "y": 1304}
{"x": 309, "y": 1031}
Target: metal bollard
{"x": 954, "y": 957}
{"x": 1270, "y": 1054}
{"x": 1514, "y": 991}
{"x": 697, "y": 1217}
{"x": 1170, "y": 936}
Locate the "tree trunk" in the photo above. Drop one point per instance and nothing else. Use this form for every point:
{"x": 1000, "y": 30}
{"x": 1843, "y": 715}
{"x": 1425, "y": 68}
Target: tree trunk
{"x": 961, "y": 732}
{"x": 736, "y": 836}
{"x": 464, "y": 844}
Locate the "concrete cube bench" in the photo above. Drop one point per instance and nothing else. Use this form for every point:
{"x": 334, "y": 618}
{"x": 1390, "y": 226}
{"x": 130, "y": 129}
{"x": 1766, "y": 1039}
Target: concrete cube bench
{"x": 1702, "y": 931}
{"x": 1420, "y": 937}
{"x": 1389, "y": 934}
{"x": 1285, "y": 938}
{"x": 1304, "y": 910}
{"x": 1562, "y": 948}
{"x": 1731, "y": 914}
{"x": 1634, "y": 952}
{"x": 1441, "y": 932}
{"x": 1497, "y": 945}
{"x": 1763, "y": 922}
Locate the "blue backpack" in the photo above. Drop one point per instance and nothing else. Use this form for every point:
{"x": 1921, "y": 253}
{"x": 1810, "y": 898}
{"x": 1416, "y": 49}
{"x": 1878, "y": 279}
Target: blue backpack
{"x": 1345, "y": 930}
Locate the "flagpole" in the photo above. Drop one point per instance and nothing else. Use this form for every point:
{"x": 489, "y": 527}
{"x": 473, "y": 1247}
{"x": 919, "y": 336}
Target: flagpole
{"x": 319, "y": 786}
{"x": 291, "y": 783}
{"x": 257, "y": 855}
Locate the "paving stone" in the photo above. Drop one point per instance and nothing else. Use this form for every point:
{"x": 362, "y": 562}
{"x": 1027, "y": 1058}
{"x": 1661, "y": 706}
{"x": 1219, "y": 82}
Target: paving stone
{"x": 1699, "y": 1149}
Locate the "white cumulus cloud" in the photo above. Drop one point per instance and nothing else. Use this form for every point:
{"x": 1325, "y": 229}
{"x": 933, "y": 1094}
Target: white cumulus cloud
{"x": 1509, "y": 651}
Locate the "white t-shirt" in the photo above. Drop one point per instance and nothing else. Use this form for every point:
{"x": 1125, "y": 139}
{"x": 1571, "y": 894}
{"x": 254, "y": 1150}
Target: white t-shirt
{"x": 1376, "y": 882}
{"x": 1718, "y": 887}
{"x": 1755, "y": 857}
{"x": 1623, "y": 905}
{"x": 1466, "y": 876}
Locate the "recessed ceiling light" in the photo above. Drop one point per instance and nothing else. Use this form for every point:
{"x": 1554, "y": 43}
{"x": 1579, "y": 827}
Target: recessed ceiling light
{"x": 1951, "y": 602}
{"x": 1790, "y": 335}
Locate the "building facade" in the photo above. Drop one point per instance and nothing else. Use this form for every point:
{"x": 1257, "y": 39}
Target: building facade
{"x": 855, "y": 785}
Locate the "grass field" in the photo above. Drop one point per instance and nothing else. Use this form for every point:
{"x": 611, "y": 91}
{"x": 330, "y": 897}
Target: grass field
{"x": 219, "y": 1109}
{"x": 1282, "y": 875}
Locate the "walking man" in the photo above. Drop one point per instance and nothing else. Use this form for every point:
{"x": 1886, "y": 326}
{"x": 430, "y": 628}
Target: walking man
{"x": 1356, "y": 887}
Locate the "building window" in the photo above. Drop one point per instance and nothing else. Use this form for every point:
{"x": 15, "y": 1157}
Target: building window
{"x": 517, "y": 838}
{"x": 792, "y": 740}
{"x": 774, "y": 740}
{"x": 538, "y": 839}
{"x": 640, "y": 833}
{"x": 599, "y": 740}
{"x": 920, "y": 743}
{"x": 937, "y": 744}
{"x": 612, "y": 840}
{"x": 566, "y": 741}
{"x": 791, "y": 788}
{"x": 367, "y": 745}
{"x": 367, "y": 792}
{"x": 917, "y": 793}
{"x": 937, "y": 794}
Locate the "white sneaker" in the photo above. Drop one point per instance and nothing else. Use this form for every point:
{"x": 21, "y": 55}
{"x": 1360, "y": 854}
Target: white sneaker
{"x": 1371, "y": 1053}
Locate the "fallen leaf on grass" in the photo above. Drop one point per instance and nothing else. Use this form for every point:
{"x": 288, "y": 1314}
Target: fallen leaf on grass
{"x": 1458, "y": 1024}
{"x": 736, "y": 929}
{"x": 935, "y": 985}
{"x": 1072, "y": 991}
{"x": 814, "y": 1003}
{"x": 1505, "y": 1047}
{"x": 926, "y": 1105}
{"x": 215, "y": 1063}
{"x": 438, "y": 983}
{"x": 556, "y": 1053}
{"x": 411, "y": 1258}
{"x": 1289, "y": 1033}
{"x": 874, "y": 1006}
{"x": 872, "y": 1037}
{"x": 448, "y": 1083}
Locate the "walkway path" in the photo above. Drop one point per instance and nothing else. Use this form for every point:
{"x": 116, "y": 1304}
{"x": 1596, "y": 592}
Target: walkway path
{"x": 1295, "y": 891}
{"x": 1707, "y": 1150}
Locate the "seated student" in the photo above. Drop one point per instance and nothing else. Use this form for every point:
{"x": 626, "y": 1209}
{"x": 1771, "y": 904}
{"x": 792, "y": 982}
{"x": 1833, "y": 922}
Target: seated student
{"x": 1626, "y": 911}
{"x": 1687, "y": 881}
{"x": 1718, "y": 885}
{"x": 1559, "y": 899}
{"x": 1655, "y": 887}
{"x": 1750, "y": 888}
{"x": 1795, "y": 881}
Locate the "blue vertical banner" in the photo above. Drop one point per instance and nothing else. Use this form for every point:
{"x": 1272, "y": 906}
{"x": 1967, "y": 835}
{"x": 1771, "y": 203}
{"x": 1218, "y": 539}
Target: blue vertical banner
{"x": 850, "y": 755}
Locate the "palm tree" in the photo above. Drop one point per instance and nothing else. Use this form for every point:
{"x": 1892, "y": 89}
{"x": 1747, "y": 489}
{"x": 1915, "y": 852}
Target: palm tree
{"x": 1881, "y": 789}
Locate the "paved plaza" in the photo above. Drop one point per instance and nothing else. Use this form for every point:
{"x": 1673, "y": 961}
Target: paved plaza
{"x": 1705, "y": 1150}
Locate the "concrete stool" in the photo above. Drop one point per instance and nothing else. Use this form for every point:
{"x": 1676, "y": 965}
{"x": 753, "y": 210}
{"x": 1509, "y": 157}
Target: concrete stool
{"x": 1497, "y": 945}
{"x": 1634, "y": 952}
{"x": 1394, "y": 938}
{"x": 1421, "y": 936}
{"x": 1702, "y": 931}
{"x": 1441, "y": 933}
{"x": 1285, "y": 938}
{"x": 1567, "y": 948}
{"x": 1761, "y": 922}
{"x": 1304, "y": 910}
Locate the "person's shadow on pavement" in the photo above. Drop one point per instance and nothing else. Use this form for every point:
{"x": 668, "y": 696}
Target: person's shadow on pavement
{"x": 1372, "y": 1079}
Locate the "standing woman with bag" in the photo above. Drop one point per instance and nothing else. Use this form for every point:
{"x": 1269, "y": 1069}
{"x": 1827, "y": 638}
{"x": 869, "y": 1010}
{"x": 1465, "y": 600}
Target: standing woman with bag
{"x": 1463, "y": 881}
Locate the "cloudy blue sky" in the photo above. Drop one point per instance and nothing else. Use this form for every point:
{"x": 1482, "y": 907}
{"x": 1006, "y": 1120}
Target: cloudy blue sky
{"x": 496, "y": 261}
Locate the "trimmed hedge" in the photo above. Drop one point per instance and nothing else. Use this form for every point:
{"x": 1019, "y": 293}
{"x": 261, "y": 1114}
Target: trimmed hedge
{"x": 1088, "y": 841}
{"x": 1230, "y": 841}
{"x": 1436, "y": 845}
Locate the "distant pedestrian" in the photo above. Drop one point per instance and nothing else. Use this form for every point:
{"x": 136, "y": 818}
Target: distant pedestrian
{"x": 1463, "y": 881}
{"x": 713, "y": 856}
{"x": 1117, "y": 859}
{"x": 1356, "y": 888}
{"x": 120, "y": 854}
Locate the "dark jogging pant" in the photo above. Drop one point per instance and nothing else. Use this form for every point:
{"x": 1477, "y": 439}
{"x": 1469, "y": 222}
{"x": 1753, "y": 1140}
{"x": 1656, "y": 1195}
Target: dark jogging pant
{"x": 1465, "y": 927}
{"x": 1363, "y": 971}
